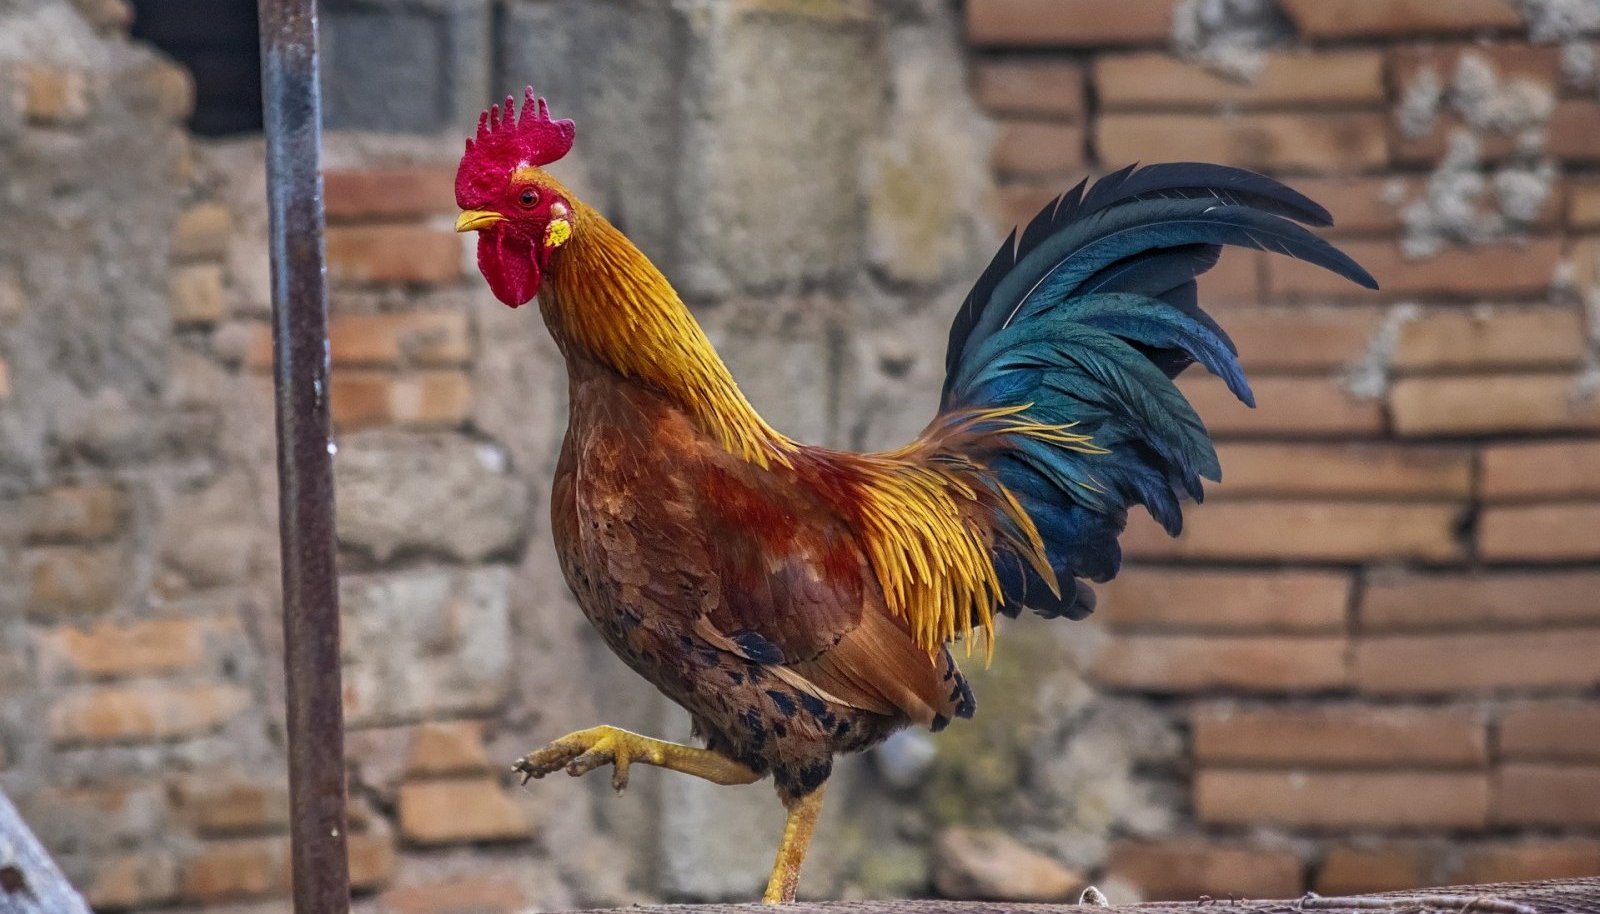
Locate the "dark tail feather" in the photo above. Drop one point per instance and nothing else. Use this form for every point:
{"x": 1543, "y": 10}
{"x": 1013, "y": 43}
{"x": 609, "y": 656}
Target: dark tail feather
{"x": 1083, "y": 318}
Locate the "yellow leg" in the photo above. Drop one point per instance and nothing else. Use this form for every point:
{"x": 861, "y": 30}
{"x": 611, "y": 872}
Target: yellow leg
{"x": 586, "y": 750}
{"x": 792, "y": 851}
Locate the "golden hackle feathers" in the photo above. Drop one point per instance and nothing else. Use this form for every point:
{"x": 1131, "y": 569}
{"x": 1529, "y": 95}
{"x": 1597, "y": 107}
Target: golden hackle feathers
{"x": 931, "y": 517}
{"x": 609, "y": 300}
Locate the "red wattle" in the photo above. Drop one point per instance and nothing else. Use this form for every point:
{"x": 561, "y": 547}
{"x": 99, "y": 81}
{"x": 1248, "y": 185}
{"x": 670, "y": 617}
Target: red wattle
{"x": 508, "y": 264}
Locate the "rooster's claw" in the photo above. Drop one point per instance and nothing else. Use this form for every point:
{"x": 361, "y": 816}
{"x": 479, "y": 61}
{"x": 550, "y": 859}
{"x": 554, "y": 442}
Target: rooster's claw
{"x": 584, "y": 751}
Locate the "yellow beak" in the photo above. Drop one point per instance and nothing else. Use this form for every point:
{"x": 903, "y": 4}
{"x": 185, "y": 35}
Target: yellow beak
{"x": 476, "y": 220}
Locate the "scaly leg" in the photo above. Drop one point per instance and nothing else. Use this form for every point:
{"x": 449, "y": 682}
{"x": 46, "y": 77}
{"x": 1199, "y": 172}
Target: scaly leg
{"x": 586, "y": 750}
{"x": 792, "y": 851}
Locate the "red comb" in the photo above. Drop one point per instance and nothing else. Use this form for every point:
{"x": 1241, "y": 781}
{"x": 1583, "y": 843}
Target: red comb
{"x": 534, "y": 137}
{"x": 506, "y": 142}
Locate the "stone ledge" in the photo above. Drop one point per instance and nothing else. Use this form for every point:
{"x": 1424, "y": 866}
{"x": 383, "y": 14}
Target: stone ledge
{"x": 1567, "y": 896}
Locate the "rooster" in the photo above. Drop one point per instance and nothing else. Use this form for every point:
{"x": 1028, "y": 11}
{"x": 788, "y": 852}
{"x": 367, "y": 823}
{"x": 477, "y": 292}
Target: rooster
{"x": 801, "y": 602}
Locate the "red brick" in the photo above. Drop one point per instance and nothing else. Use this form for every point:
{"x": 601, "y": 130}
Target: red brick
{"x": 1540, "y": 533}
{"x": 73, "y": 580}
{"x": 1583, "y": 258}
{"x": 393, "y": 254}
{"x": 425, "y": 398}
{"x": 202, "y": 232}
{"x": 1320, "y": 19}
{"x": 1286, "y": 407}
{"x": 237, "y": 869}
{"x": 1508, "y": 270}
{"x": 447, "y": 747}
{"x": 1309, "y": 530}
{"x": 390, "y": 191}
{"x": 1038, "y": 148}
{"x": 1342, "y": 799}
{"x": 1183, "y": 869}
{"x": 1583, "y": 205}
{"x": 432, "y": 338}
{"x": 143, "y": 713}
{"x": 1570, "y": 133}
{"x": 460, "y": 810}
{"x": 1300, "y": 339}
{"x": 1556, "y": 731}
{"x": 254, "y": 345}
{"x": 1527, "y": 793}
{"x": 1560, "y": 858}
{"x": 195, "y": 294}
{"x": 1496, "y": 601}
{"x": 1359, "y": 205}
{"x": 237, "y": 807}
{"x": 1068, "y": 23}
{"x": 1335, "y": 141}
{"x": 1298, "y": 80}
{"x": 1388, "y": 867}
{"x": 125, "y": 649}
{"x": 1029, "y": 87}
{"x": 372, "y": 860}
{"x": 1340, "y": 736}
{"x": 1490, "y": 404}
{"x": 74, "y": 513}
{"x": 363, "y": 398}
{"x": 1449, "y": 664}
{"x": 1541, "y": 469}
{"x": 1357, "y": 470}
{"x": 132, "y": 881}
{"x": 1236, "y": 602}
{"x": 56, "y": 96}
{"x": 1173, "y": 664}
{"x": 1539, "y": 338}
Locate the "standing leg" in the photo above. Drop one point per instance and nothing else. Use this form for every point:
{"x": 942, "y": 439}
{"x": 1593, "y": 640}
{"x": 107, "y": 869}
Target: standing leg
{"x": 797, "y": 831}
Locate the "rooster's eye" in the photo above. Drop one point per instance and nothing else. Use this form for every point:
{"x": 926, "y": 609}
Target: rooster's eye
{"x": 529, "y": 197}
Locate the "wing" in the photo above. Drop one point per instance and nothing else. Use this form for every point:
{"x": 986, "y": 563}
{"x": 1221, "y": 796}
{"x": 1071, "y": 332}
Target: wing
{"x": 796, "y": 593}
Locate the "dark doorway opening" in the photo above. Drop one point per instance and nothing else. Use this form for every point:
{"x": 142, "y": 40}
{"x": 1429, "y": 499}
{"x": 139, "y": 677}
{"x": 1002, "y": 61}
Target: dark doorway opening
{"x": 218, "y": 42}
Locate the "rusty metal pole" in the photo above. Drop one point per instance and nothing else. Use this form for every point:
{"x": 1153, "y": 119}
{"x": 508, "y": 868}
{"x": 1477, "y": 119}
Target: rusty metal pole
{"x": 293, "y": 109}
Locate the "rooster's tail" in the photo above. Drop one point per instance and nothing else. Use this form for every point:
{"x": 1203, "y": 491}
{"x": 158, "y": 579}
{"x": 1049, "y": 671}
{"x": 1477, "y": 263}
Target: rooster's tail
{"x": 1060, "y": 364}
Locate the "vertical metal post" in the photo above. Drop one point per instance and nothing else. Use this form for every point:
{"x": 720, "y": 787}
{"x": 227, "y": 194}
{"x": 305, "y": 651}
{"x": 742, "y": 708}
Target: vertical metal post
{"x": 293, "y": 110}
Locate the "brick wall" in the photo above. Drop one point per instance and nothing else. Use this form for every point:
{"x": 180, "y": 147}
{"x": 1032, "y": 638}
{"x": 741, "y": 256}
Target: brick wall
{"x": 1380, "y": 637}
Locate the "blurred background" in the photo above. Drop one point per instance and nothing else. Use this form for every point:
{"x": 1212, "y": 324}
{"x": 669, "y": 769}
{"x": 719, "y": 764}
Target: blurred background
{"x": 1371, "y": 662}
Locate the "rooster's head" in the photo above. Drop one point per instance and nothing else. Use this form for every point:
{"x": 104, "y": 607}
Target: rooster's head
{"x": 520, "y": 213}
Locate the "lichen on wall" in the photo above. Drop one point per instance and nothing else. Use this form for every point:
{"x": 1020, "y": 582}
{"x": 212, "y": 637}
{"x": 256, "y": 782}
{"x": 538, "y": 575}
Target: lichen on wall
{"x": 1464, "y": 199}
{"x": 1557, "y": 20}
{"x": 1231, "y": 37}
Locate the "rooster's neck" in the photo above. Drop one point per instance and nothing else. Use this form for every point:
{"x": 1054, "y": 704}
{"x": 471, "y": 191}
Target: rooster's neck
{"x": 606, "y": 303}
